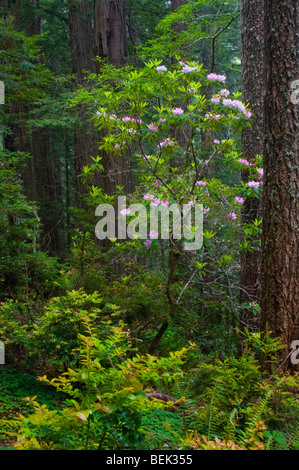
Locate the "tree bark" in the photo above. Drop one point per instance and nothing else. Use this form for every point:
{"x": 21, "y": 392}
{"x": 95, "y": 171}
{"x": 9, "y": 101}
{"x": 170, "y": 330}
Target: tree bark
{"x": 110, "y": 30}
{"x": 111, "y": 44}
{"x": 252, "y": 40}
{"x": 280, "y": 241}
{"x": 82, "y": 59}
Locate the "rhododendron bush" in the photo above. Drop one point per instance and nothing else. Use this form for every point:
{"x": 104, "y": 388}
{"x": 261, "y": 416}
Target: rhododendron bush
{"x": 178, "y": 126}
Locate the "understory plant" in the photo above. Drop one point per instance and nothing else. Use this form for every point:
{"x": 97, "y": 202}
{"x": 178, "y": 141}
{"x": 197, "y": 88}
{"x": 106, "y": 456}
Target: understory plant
{"x": 105, "y": 397}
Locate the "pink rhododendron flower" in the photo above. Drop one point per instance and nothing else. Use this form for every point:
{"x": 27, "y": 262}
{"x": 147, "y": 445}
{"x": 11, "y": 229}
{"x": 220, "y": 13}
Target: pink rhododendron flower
{"x": 224, "y": 92}
{"x": 191, "y": 90}
{"x": 132, "y": 131}
{"x": 157, "y": 183}
{"x": 155, "y": 202}
{"x": 215, "y": 77}
{"x": 192, "y": 203}
{"x": 206, "y": 209}
{"x": 200, "y": 183}
{"x": 188, "y": 69}
{"x": 119, "y": 146}
{"x": 239, "y": 200}
{"x": 213, "y": 116}
{"x": 148, "y": 243}
{"x": 164, "y": 203}
{"x": 161, "y": 68}
{"x": 112, "y": 117}
{"x": 125, "y": 211}
{"x": 260, "y": 172}
{"x": 148, "y": 196}
{"x": 215, "y": 99}
{"x": 178, "y": 111}
{"x": 232, "y": 215}
{"x": 253, "y": 184}
{"x": 152, "y": 127}
{"x": 166, "y": 142}
{"x": 244, "y": 161}
{"x": 217, "y": 142}
{"x": 139, "y": 121}
{"x": 162, "y": 119}
{"x": 126, "y": 119}
{"x": 153, "y": 234}
{"x": 207, "y": 194}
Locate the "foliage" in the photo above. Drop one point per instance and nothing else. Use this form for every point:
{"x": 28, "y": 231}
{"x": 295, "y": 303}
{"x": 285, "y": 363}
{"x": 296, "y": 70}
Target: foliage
{"x": 106, "y": 396}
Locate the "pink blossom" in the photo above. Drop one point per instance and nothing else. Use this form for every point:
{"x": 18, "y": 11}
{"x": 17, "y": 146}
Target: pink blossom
{"x": 188, "y": 69}
{"x": 125, "y": 212}
{"x": 148, "y": 243}
{"x": 161, "y": 68}
{"x": 153, "y": 234}
{"x": 206, "y": 209}
{"x": 152, "y": 127}
{"x": 157, "y": 183}
{"x": 166, "y": 142}
{"x": 132, "y": 131}
{"x": 156, "y": 202}
{"x": 164, "y": 203}
{"x": 200, "y": 183}
{"x": 217, "y": 142}
{"x": 192, "y": 203}
{"x": 216, "y": 99}
{"x": 162, "y": 119}
{"x": 119, "y": 146}
{"x": 253, "y": 184}
{"x": 213, "y": 116}
{"x": 215, "y": 77}
{"x": 260, "y": 172}
{"x": 139, "y": 121}
{"x": 112, "y": 117}
{"x": 224, "y": 92}
{"x": 227, "y": 102}
{"x": 148, "y": 196}
{"x": 126, "y": 119}
{"x": 178, "y": 111}
{"x": 191, "y": 90}
{"x": 207, "y": 194}
{"x": 232, "y": 215}
{"x": 239, "y": 200}
{"x": 244, "y": 161}
{"x": 238, "y": 104}
{"x": 247, "y": 114}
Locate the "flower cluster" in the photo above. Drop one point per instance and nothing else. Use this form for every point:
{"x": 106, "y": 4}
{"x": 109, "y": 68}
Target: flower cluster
{"x": 239, "y": 200}
{"x": 253, "y": 184}
{"x": 215, "y": 77}
{"x": 177, "y": 111}
{"x": 166, "y": 143}
{"x": 213, "y": 116}
{"x": 152, "y": 127}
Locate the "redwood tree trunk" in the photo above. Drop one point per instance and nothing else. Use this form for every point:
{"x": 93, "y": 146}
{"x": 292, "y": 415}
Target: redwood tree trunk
{"x": 252, "y": 36}
{"x": 82, "y": 58}
{"x": 280, "y": 240}
{"x": 111, "y": 44}
{"x": 110, "y": 30}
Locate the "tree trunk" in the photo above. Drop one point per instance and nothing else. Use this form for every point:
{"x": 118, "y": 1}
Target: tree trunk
{"x": 82, "y": 58}
{"x": 111, "y": 44}
{"x": 110, "y": 30}
{"x": 252, "y": 39}
{"x": 280, "y": 241}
